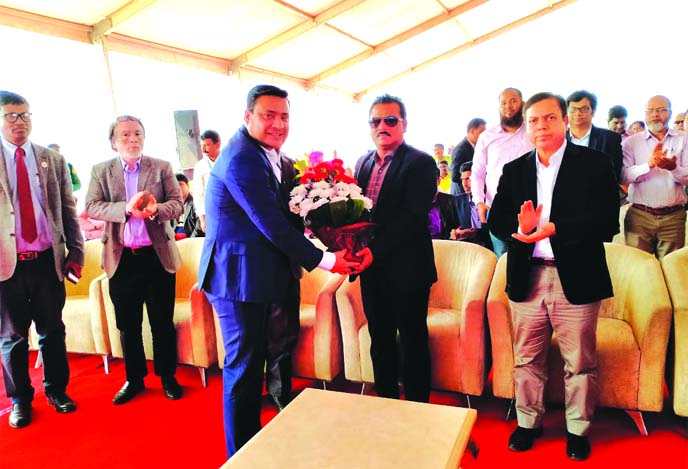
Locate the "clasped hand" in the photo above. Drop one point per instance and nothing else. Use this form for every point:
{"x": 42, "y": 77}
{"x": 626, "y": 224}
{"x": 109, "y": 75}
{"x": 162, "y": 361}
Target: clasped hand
{"x": 660, "y": 158}
{"x": 142, "y": 205}
{"x": 528, "y": 220}
{"x": 345, "y": 266}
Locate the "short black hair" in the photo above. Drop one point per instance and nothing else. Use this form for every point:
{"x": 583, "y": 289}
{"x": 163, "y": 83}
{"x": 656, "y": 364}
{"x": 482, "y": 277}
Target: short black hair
{"x": 439, "y": 145}
{"x": 543, "y": 95}
{"x": 212, "y": 135}
{"x": 640, "y": 123}
{"x": 263, "y": 90}
{"x": 443, "y": 162}
{"x": 616, "y": 112}
{"x": 475, "y": 123}
{"x": 182, "y": 178}
{"x": 389, "y": 99}
{"x": 580, "y": 95}
{"x": 7, "y": 97}
{"x": 515, "y": 90}
{"x": 467, "y": 166}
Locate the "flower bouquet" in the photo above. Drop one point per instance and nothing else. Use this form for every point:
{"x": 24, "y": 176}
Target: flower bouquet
{"x": 333, "y": 207}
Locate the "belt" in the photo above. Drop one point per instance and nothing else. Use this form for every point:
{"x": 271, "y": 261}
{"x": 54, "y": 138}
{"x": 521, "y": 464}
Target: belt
{"x": 658, "y": 211}
{"x": 140, "y": 251}
{"x": 32, "y": 255}
{"x": 545, "y": 262}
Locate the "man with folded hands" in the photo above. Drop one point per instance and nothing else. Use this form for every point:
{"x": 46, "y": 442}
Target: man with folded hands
{"x": 38, "y": 224}
{"x": 557, "y": 271}
{"x": 137, "y": 196}
{"x": 655, "y": 167}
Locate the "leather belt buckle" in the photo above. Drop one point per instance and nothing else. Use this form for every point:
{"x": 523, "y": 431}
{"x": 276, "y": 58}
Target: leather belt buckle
{"x": 141, "y": 250}
{"x": 658, "y": 211}
{"x": 27, "y": 255}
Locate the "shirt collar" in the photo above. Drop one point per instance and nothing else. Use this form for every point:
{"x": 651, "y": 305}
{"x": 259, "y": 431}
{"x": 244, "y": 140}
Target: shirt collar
{"x": 125, "y": 167}
{"x": 554, "y": 160}
{"x": 587, "y": 134}
{"x": 10, "y": 147}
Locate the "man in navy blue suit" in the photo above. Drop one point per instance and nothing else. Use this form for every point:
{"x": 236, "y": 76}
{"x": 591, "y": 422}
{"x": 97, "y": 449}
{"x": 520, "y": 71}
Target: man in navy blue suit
{"x": 249, "y": 251}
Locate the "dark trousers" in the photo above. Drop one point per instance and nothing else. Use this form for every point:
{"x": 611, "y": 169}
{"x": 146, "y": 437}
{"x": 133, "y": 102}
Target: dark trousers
{"x": 33, "y": 293}
{"x": 139, "y": 279}
{"x": 388, "y": 309}
{"x": 282, "y": 335}
{"x": 245, "y": 329}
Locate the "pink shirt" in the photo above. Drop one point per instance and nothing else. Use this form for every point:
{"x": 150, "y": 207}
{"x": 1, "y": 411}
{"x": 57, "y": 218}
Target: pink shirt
{"x": 656, "y": 187}
{"x": 495, "y": 148}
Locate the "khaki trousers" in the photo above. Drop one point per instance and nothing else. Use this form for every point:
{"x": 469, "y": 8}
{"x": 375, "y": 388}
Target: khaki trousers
{"x": 656, "y": 234}
{"x": 545, "y": 310}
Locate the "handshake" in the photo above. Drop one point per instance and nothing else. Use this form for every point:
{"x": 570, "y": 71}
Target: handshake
{"x": 142, "y": 205}
{"x": 347, "y": 263}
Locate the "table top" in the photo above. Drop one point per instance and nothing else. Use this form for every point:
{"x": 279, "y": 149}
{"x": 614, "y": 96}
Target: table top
{"x": 327, "y": 429}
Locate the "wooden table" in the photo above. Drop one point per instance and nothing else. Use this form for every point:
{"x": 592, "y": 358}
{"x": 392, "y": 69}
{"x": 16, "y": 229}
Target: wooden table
{"x": 327, "y": 429}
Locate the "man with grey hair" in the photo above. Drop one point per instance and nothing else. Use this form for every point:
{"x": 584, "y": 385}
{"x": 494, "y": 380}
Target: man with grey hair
{"x": 655, "y": 166}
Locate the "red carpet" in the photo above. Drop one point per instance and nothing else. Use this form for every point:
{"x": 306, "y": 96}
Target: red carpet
{"x": 152, "y": 432}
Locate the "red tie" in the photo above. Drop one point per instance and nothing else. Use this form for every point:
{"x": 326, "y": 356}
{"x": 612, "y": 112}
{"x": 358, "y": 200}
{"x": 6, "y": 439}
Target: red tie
{"x": 28, "y": 219}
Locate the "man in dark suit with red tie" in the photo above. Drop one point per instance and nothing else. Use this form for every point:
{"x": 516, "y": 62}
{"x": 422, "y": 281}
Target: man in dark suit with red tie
{"x": 38, "y": 225}
{"x": 557, "y": 271}
{"x": 400, "y": 262}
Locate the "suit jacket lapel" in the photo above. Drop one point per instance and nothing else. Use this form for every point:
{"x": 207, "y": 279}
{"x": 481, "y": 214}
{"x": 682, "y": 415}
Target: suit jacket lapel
{"x": 117, "y": 181}
{"x": 145, "y": 171}
{"x": 393, "y": 171}
{"x": 4, "y": 178}
{"x": 530, "y": 178}
{"x": 594, "y": 137}
{"x": 566, "y": 181}
{"x": 363, "y": 175}
{"x": 43, "y": 166}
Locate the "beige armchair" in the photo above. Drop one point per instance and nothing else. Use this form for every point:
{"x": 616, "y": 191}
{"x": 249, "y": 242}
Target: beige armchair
{"x": 83, "y": 316}
{"x": 675, "y": 267}
{"x": 318, "y": 352}
{"x": 632, "y": 334}
{"x": 193, "y": 315}
{"x": 456, "y": 320}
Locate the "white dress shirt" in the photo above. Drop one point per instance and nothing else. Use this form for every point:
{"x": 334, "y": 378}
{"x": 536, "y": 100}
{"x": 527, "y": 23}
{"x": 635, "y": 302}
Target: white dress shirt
{"x": 546, "y": 178}
{"x": 656, "y": 187}
{"x": 200, "y": 182}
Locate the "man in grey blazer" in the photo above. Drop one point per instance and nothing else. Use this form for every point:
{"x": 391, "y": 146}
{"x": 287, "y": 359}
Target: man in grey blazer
{"x": 137, "y": 196}
{"x": 38, "y": 225}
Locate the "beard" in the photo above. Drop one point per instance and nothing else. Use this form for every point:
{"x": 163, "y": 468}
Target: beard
{"x": 655, "y": 127}
{"x": 514, "y": 121}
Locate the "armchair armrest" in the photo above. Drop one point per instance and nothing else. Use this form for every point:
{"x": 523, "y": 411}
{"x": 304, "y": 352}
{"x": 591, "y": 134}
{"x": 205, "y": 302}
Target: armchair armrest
{"x": 327, "y": 335}
{"x": 99, "y": 325}
{"x": 203, "y": 339}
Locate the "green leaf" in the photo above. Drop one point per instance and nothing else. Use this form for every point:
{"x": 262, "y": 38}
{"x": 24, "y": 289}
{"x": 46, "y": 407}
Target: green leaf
{"x": 339, "y": 212}
{"x": 356, "y": 210}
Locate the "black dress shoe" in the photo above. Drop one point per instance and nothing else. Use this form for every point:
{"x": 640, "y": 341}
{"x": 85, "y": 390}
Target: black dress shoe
{"x": 280, "y": 402}
{"x": 522, "y": 439}
{"x": 172, "y": 388}
{"x": 577, "y": 447}
{"x": 21, "y": 415}
{"x": 128, "y": 392}
{"x": 62, "y": 402}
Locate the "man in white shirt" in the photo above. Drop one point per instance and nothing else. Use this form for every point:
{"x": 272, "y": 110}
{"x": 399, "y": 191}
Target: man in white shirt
{"x": 557, "y": 272}
{"x": 210, "y": 145}
{"x": 496, "y": 147}
{"x": 655, "y": 165}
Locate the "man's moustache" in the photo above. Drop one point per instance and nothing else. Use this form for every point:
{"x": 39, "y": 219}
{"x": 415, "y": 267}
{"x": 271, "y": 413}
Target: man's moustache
{"x": 384, "y": 133}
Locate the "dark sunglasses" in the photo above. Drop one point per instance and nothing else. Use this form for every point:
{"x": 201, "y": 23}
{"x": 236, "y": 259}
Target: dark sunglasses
{"x": 390, "y": 121}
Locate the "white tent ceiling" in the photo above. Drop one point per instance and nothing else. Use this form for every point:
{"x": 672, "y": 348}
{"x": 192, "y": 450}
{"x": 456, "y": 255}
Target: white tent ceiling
{"x": 350, "y": 46}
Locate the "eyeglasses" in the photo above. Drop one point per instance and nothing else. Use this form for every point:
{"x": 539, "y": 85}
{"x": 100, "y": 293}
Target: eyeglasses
{"x": 390, "y": 121}
{"x": 580, "y": 110}
{"x": 661, "y": 110}
{"x": 12, "y": 117}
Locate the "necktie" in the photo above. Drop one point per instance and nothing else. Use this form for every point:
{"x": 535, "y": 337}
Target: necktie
{"x": 28, "y": 219}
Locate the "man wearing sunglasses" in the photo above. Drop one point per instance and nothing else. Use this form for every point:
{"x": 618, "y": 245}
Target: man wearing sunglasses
{"x": 38, "y": 225}
{"x": 400, "y": 263}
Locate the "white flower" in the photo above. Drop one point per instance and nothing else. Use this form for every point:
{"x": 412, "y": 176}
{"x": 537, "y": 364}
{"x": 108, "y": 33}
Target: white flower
{"x": 354, "y": 189}
{"x": 319, "y": 203}
{"x": 294, "y": 206}
{"x": 367, "y": 203}
{"x": 338, "y": 198}
{"x": 300, "y": 190}
{"x": 306, "y": 207}
{"x": 342, "y": 189}
{"x": 321, "y": 185}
